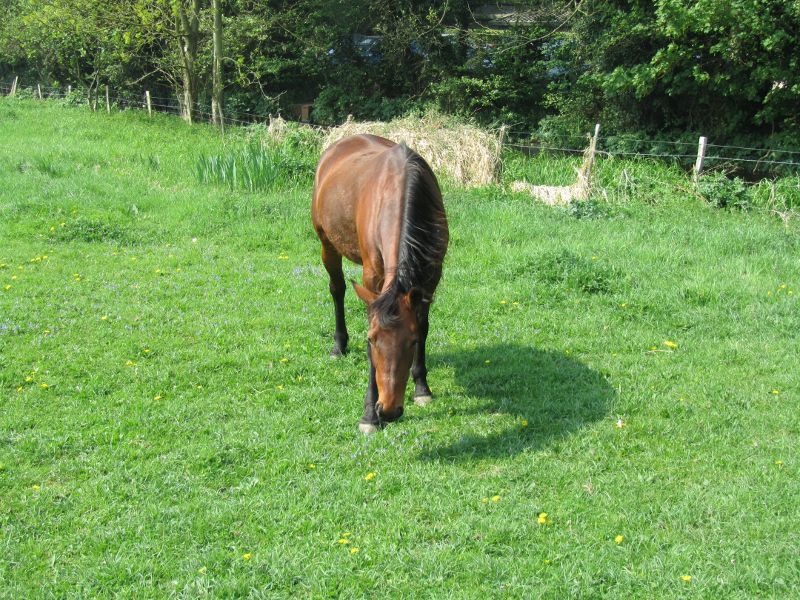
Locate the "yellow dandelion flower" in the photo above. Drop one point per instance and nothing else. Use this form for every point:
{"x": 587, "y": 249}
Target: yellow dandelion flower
{"x": 495, "y": 498}
{"x": 7, "y": 287}
{"x": 670, "y": 344}
{"x": 44, "y": 386}
{"x": 202, "y": 570}
{"x": 28, "y": 379}
{"x": 130, "y": 363}
{"x": 594, "y": 258}
{"x": 279, "y": 387}
{"x": 35, "y": 488}
{"x": 147, "y": 350}
{"x": 284, "y": 360}
{"x": 779, "y": 463}
{"x": 485, "y": 500}
{"x": 776, "y": 392}
{"x": 247, "y": 555}
{"x": 312, "y": 466}
{"x": 524, "y": 422}
{"x": 53, "y": 228}
{"x": 13, "y": 277}
{"x": 369, "y": 476}
{"x": 157, "y": 397}
{"x": 619, "y": 539}
{"x": 686, "y": 578}
{"x": 543, "y": 519}
{"x": 20, "y": 388}
{"x": 104, "y": 318}
{"x": 344, "y": 541}
{"x": 353, "y": 550}
{"x": 503, "y": 301}
{"x": 547, "y": 561}
{"x": 619, "y": 424}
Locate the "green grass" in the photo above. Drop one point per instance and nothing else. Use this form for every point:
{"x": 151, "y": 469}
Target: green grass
{"x": 168, "y": 406}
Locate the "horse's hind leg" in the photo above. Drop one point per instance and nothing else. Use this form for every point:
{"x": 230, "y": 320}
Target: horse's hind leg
{"x": 333, "y": 264}
{"x": 422, "y": 393}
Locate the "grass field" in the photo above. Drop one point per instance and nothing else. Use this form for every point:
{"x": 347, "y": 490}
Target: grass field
{"x": 617, "y": 391}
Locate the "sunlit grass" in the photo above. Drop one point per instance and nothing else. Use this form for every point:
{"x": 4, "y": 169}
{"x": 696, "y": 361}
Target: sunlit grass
{"x": 171, "y": 424}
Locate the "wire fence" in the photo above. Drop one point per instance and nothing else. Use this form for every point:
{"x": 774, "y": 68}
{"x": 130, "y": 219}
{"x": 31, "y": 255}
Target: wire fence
{"x": 522, "y": 141}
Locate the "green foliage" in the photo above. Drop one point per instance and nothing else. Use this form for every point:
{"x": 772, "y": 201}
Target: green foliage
{"x": 724, "y": 192}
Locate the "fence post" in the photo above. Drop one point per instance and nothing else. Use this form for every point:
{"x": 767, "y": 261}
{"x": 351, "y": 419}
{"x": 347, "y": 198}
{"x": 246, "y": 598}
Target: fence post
{"x": 108, "y": 102}
{"x": 149, "y": 105}
{"x": 701, "y": 155}
{"x": 69, "y": 90}
{"x": 501, "y": 139}
{"x": 14, "y": 86}
{"x": 39, "y": 87}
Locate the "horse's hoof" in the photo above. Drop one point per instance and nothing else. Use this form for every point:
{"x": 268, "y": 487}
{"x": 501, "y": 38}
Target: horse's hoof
{"x": 367, "y": 428}
{"x": 423, "y": 400}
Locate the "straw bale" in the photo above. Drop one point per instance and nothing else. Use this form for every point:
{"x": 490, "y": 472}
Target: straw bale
{"x": 463, "y": 153}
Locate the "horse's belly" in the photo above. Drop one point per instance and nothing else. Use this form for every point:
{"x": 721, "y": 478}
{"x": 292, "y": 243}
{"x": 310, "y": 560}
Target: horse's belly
{"x": 336, "y": 222}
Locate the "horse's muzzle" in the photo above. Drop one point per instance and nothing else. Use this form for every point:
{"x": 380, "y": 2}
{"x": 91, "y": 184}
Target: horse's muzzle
{"x": 391, "y": 415}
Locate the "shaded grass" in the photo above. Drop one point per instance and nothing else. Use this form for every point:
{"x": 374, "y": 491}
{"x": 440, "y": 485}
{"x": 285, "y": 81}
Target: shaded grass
{"x": 191, "y": 415}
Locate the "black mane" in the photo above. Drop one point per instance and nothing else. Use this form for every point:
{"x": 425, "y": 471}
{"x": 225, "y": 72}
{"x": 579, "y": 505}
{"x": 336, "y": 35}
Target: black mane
{"x": 423, "y": 239}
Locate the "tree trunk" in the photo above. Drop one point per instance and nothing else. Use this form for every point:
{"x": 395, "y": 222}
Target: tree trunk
{"x": 189, "y": 36}
{"x": 217, "y": 98}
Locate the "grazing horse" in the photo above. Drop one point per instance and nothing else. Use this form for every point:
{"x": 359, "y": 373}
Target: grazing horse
{"x": 378, "y": 203}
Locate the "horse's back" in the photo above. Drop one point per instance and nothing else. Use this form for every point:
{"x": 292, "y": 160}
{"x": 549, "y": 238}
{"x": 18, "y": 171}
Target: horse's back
{"x": 343, "y": 172}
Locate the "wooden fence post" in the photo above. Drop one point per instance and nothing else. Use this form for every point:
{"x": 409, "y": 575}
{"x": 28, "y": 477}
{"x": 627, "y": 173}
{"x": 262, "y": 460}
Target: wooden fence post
{"x": 39, "y": 87}
{"x": 14, "y": 86}
{"x": 501, "y": 139}
{"x": 108, "y": 102}
{"x": 69, "y": 90}
{"x": 149, "y": 105}
{"x": 701, "y": 155}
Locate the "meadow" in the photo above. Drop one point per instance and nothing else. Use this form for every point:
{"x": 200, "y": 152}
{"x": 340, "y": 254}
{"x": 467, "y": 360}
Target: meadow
{"x": 616, "y": 384}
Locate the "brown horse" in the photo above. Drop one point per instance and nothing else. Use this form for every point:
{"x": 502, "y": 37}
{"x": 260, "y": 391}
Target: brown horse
{"x": 378, "y": 203}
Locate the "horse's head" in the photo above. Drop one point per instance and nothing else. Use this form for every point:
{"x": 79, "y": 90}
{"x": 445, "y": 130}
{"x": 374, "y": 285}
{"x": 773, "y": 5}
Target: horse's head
{"x": 392, "y": 339}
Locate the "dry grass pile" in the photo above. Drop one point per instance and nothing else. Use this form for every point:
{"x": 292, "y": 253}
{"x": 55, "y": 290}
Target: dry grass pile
{"x": 462, "y": 153}
{"x": 564, "y": 194}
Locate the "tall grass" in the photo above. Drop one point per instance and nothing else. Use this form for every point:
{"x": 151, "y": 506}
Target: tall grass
{"x": 256, "y": 167}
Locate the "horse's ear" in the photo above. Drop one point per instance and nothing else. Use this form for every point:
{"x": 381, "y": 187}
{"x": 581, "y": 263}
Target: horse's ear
{"x": 367, "y": 296}
{"x": 414, "y": 297}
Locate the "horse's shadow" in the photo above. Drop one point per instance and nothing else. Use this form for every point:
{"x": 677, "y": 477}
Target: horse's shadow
{"x": 549, "y": 394}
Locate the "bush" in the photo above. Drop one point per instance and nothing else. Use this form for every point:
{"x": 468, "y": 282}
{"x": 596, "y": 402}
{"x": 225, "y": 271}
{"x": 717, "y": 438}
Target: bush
{"x": 722, "y": 192}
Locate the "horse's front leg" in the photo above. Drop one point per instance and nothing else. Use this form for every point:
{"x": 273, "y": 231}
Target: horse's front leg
{"x": 370, "y": 422}
{"x": 422, "y": 393}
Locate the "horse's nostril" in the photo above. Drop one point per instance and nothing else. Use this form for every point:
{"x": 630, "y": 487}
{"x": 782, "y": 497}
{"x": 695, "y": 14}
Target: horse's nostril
{"x": 391, "y": 415}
